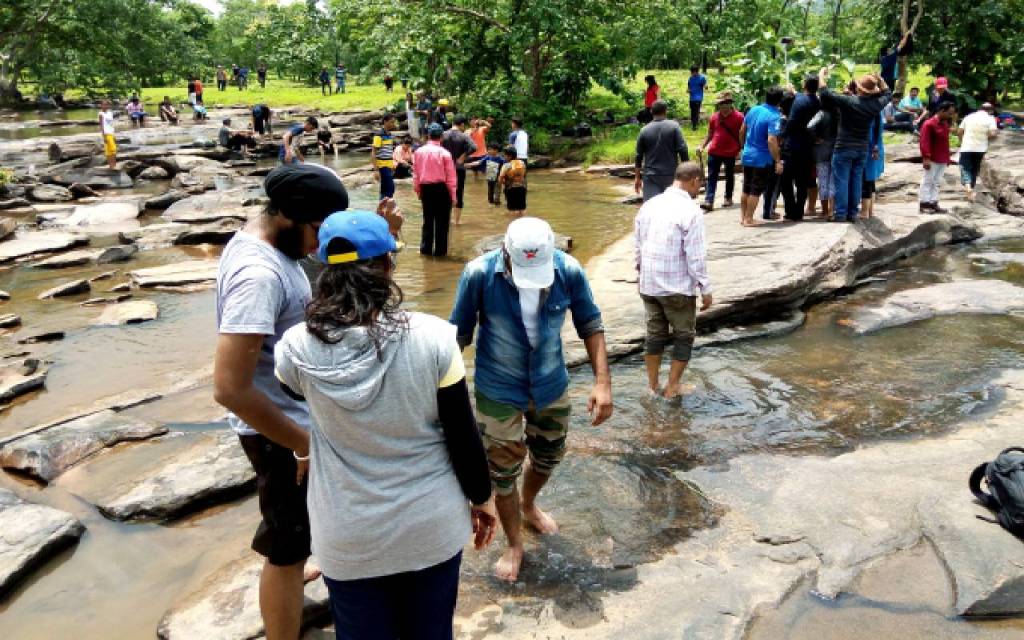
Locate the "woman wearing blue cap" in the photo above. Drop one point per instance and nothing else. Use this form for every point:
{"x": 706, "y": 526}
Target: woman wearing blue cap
{"x": 398, "y": 474}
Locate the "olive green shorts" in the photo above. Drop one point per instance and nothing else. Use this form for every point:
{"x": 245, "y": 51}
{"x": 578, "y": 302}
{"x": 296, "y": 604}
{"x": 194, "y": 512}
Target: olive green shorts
{"x": 509, "y": 433}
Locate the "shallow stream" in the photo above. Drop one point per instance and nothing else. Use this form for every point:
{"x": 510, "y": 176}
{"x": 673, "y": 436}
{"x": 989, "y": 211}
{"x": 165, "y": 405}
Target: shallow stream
{"x": 820, "y": 389}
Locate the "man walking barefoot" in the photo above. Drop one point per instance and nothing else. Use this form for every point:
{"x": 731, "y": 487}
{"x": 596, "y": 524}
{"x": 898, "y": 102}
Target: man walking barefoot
{"x": 519, "y": 295}
{"x": 262, "y": 292}
{"x": 671, "y": 258}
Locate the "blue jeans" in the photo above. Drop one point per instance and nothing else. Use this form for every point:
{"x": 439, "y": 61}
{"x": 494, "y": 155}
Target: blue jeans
{"x": 387, "y": 182}
{"x": 417, "y": 604}
{"x": 848, "y": 178}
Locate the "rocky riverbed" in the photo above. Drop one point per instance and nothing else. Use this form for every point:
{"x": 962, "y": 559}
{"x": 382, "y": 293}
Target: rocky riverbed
{"x": 669, "y": 531}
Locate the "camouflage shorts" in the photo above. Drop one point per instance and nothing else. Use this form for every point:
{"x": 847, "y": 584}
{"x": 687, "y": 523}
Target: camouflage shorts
{"x": 510, "y": 433}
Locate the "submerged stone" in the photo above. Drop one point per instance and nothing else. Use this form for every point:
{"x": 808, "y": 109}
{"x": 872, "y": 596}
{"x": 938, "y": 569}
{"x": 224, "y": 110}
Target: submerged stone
{"x": 134, "y": 312}
{"x": 30, "y": 534}
{"x": 19, "y": 379}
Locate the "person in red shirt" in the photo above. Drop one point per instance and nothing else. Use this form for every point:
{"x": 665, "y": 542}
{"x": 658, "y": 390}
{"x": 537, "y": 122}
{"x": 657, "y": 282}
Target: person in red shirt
{"x": 722, "y": 146}
{"x": 199, "y": 90}
{"x": 935, "y": 156}
{"x": 434, "y": 181}
{"x": 651, "y": 95}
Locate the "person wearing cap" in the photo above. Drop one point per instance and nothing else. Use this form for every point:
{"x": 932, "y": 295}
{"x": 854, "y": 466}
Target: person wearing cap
{"x": 660, "y": 147}
{"x": 518, "y": 296}
{"x": 435, "y": 182}
{"x": 291, "y": 150}
{"x": 262, "y": 291}
{"x": 942, "y": 95}
{"x": 441, "y": 114}
{"x": 461, "y": 146}
{"x": 857, "y": 113}
{"x": 671, "y": 260}
{"x": 975, "y": 132}
{"x": 722, "y": 147}
{"x": 398, "y": 476}
{"x": 935, "y": 156}
{"x": 382, "y": 155}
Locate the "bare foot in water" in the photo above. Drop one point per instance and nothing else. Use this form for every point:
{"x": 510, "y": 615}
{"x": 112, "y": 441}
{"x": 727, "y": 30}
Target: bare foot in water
{"x": 678, "y": 392}
{"x": 540, "y": 521}
{"x": 507, "y": 567}
{"x": 310, "y": 572}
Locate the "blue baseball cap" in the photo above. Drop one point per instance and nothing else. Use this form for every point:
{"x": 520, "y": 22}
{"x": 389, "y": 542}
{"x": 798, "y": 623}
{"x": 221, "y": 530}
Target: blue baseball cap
{"x": 349, "y": 236}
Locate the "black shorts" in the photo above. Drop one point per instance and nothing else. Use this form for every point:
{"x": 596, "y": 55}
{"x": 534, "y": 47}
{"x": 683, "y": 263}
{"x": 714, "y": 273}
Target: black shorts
{"x": 867, "y": 189}
{"x": 515, "y": 198}
{"x": 283, "y": 534}
{"x": 755, "y": 180}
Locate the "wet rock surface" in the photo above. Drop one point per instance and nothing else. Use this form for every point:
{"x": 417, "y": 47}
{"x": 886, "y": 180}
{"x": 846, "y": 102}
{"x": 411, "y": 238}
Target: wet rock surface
{"x": 211, "y": 207}
{"x": 182, "y": 273}
{"x": 988, "y": 297}
{"x": 49, "y": 193}
{"x": 17, "y": 379}
{"x": 30, "y": 534}
{"x": 47, "y": 453}
{"x": 214, "y": 469}
{"x": 226, "y": 605}
{"x": 133, "y": 312}
{"x": 30, "y": 243}
{"x": 66, "y": 289}
{"x": 106, "y": 214}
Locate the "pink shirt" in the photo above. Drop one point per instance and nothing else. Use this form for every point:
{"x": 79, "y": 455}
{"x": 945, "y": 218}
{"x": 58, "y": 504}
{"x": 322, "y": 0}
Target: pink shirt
{"x": 432, "y": 164}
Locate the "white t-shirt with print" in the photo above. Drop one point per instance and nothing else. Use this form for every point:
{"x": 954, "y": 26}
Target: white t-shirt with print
{"x": 976, "y": 129}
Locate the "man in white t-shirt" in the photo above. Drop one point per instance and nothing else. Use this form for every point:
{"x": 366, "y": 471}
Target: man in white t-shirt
{"x": 520, "y": 140}
{"x": 975, "y": 132}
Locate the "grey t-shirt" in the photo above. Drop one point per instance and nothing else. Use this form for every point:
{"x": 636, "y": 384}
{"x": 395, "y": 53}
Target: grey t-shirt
{"x": 660, "y": 147}
{"x": 261, "y": 291}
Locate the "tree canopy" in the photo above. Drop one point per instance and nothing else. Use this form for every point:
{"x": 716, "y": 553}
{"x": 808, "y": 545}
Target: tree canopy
{"x": 535, "y": 58}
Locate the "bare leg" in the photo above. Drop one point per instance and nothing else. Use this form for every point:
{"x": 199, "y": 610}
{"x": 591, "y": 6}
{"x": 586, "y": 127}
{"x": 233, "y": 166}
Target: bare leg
{"x": 281, "y": 600}
{"x": 653, "y": 368}
{"x": 533, "y": 482}
{"x": 507, "y": 567}
{"x": 812, "y": 198}
{"x": 458, "y": 216}
{"x": 675, "y": 374}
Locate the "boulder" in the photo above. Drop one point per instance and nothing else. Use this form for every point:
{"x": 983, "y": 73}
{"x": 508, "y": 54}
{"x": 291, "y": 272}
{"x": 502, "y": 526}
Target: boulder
{"x": 81, "y": 191}
{"x": 71, "y": 288}
{"x": 30, "y": 534}
{"x": 32, "y": 243}
{"x": 182, "y": 273}
{"x": 134, "y": 312}
{"x": 7, "y": 228}
{"x": 214, "y": 469}
{"x": 49, "y": 452}
{"x": 350, "y": 118}
{"x": 165, "y": 199}
{"x": 49, "y": 193}
{"x": 185, "y": 163}
{"x": 154, "y": 173}
{"x": 13, "y": 203}
{"x": 218, "y": 233}
{"x": 73, "y": 149}
{"x": 69, "y": 259}
{"x": 987, "y": 297}
{"x": 19, "y": 379}
{"x": 9, "y": 321}
{"x": 104, "y": 214}
{"x": 116, "y": 253}
{"x": 226, "y": 605}
{"x": 154, "y": 235}
{"x": 94, "y": 178}
{"x": 539, "y": 162}
{"x": 211, "y": 207}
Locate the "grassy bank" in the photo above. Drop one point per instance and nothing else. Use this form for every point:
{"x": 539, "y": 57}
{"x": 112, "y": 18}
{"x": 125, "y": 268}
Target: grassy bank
{"x": 284, "y": 93}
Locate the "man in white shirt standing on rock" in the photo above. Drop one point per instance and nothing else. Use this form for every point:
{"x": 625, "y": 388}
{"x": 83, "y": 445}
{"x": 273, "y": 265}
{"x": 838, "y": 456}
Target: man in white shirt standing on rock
{"x": 975, "y": 132}
{"x": 671, "y": 259}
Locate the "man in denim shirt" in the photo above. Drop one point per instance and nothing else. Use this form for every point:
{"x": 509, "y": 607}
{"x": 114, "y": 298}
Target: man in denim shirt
{"x": 519, "y": 294}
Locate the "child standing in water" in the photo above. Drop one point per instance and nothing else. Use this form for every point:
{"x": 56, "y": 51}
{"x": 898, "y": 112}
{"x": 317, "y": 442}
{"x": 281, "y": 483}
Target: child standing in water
{"x": 513, "y": 180}
{"x": 491, "y": 165}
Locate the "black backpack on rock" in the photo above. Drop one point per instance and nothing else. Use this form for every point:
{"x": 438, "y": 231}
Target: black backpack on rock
{"x": 1005, "y": 495}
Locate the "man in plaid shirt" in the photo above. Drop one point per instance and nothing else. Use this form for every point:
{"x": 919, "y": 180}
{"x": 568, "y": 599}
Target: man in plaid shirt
{"x": 671, "y": 258}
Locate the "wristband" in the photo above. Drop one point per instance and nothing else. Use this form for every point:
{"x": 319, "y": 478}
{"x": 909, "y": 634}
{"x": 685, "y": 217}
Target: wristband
{"x": 299, "y": 458}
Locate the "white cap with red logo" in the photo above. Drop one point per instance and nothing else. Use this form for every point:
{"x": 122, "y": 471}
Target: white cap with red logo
{"x": 530, "y": 244}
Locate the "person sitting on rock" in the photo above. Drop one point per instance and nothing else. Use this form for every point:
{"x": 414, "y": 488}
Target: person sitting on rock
{"x": 136, "y": 111}
{"x": 235, "y": 140}
{"x": 198, "y": 111}
{"x": 167, "y": 111}
{"x": 403, "y": 159}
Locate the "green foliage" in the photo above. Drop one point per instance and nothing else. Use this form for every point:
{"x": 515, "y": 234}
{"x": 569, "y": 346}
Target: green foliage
{"x": 6, "y": 177}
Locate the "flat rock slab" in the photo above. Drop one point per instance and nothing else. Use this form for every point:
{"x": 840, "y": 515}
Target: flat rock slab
{"x": 30, "y": 534}
{"x": 65, "y": 289}
{"x": 104, "y": 214}
{"x": 182, "y": 273}
{"x": 226, "y": 605}
{"x": 32, "y": 243}
{"x": 19, "y": 379}
{"x": 214, "y": 469}
{"x": 46, "y": 454}
{"x": 211, "y": 207}
{"x": 70, "y": 259}
{"x": 49, "y": 193}
{"x": 96, "y": 178}
{"x": 133, "y": 312}
{"x": 988, "y": 297}
{"x": 9, "y": 320}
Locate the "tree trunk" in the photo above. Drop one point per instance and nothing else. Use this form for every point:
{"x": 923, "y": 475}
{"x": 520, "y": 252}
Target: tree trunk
{"x": 907, "y": 27}
{"x": 9, "y": 74}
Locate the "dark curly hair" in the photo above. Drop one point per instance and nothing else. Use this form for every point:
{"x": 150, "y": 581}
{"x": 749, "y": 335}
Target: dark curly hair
{"x": 356, "y": 294}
